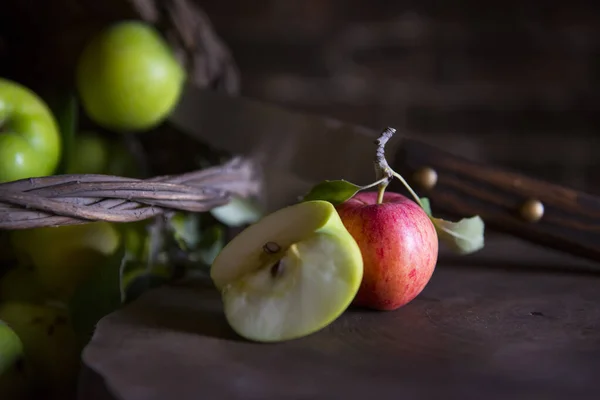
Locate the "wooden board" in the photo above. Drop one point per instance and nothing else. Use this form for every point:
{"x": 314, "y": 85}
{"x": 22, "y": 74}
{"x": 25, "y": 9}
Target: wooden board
{"x": 477, "y": 331}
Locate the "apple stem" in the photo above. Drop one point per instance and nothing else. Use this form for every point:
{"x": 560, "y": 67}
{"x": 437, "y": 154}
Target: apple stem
{"x": 381, "y": 192}
{"x": 383, "y": 171}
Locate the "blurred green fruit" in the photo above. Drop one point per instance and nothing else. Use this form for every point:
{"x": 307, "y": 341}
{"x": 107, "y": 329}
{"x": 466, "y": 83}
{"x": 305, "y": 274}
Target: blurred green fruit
{"x": 128, "y": 77}
{"x": 89, "y": 155}
{"x": 11, "y": 348}
{"x": 21, "y": 284}
{"x": 30, "y": 144}
{"x": 50, "y": 346}
{"x": 63, "y": 257}
{"x": 121, "y": 162}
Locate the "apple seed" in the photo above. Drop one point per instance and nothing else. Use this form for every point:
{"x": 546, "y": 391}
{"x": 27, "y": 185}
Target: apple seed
{"x": 271, "y": 248}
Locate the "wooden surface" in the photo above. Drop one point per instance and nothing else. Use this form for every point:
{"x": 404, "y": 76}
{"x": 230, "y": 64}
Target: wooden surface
{"x": 571, "y": 218}
{"x": 506, "y": 323}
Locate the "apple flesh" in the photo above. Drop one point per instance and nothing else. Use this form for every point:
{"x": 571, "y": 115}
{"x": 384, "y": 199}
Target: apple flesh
{"x": 399, "y": 247}
{"x": 290, "y": 274}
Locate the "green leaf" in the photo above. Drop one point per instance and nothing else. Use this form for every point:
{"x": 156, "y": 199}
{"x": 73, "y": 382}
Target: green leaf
{"x": 99, "y": 295}
{"x": 239, "y": 211}
{"x": 186, "y": 230}
{"x": 136, "y": 238}
{"x": 335, "y": 192}
{"x": 464, "y": 237}
{"x": 426, "y": 205}
{"x": 213, "y": 241}
{"x": 65, "y": 109}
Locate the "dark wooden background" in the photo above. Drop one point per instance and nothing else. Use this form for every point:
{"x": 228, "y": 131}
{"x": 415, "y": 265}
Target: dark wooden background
{"x": 510, "y": 82}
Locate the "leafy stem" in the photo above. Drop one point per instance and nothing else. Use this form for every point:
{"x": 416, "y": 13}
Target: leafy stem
{"x": 464, "y": 236}
{"x": 384, "y": 172}
{"x": 376, "y": 183}
{"x": 412, "y": 192}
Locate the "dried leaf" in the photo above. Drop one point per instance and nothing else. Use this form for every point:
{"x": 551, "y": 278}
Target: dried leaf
{"x": 464, "y": 237}
{"x": 186, "y": 229}
{"x": 239, "y": 211}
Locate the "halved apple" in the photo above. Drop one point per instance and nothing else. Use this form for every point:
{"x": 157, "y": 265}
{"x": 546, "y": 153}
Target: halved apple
{"x": 290, "y": 274}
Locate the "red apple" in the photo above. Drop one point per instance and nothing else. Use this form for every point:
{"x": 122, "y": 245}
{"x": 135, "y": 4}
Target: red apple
{"x": 399, "y": 246}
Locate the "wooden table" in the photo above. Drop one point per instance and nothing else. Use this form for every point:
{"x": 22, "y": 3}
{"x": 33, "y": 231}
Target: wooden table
{"x": 503, "y": 324}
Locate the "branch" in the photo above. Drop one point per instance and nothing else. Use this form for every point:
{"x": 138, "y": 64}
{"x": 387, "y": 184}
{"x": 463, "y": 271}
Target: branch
{"x": 76, "y": 199}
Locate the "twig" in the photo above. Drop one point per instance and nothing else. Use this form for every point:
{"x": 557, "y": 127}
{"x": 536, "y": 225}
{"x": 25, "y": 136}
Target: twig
{"x": 76, "y": 199}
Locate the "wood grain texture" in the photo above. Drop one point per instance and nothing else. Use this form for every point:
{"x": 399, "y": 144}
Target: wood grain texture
{"x": 571, "y": 220}
{"x": 475, "y": 332}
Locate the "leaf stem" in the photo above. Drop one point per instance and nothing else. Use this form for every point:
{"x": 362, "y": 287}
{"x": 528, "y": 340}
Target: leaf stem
{"x": 369, "y": 186}
{"x": 412, "y": 192}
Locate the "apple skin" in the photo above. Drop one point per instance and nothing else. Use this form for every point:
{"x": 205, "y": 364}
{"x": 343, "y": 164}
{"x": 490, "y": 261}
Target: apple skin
{"x": 399, "y": 246}
{"x": 90, "y": 154}
{"x": 51, "y": 350}
{"x": 30, "y": 142}
{"x": 63, "y": 257}
{"x": 128, "y": 78}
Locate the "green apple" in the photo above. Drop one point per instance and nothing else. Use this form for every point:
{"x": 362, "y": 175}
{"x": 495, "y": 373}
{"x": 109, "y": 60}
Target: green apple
{"x": 63, "y": 257}
{"x": 50, "y": 347}
{"x": 290, "y": 274}
{"x": 14, "y": 383}
{"x": 121, "y": 161}
{"x": 11, "y": 348}
{"x": 89, "y": 155}
{"x": 21, "y": 284}
{"x": 30, "y": 143}
{"x": 128, "y": 77}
